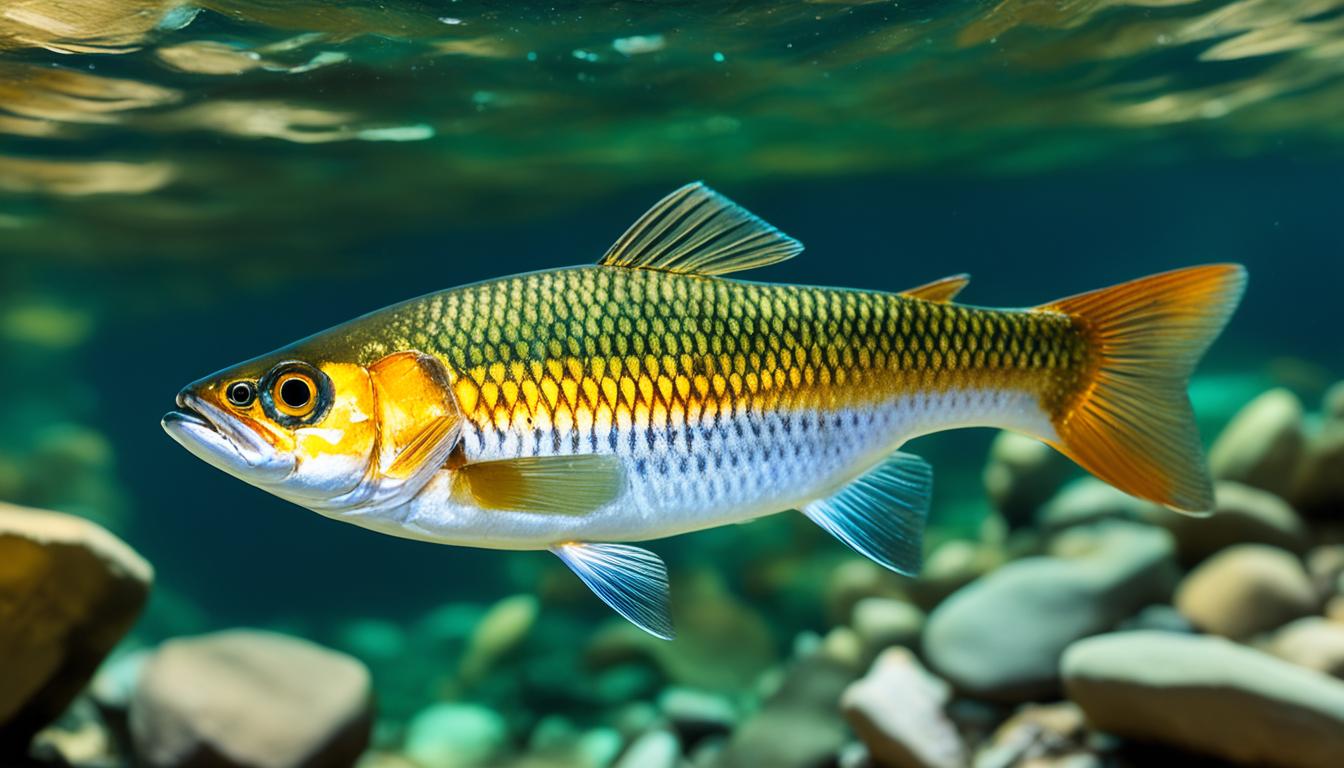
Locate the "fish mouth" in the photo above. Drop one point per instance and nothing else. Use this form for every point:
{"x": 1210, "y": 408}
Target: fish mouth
{"x": 224, "y": 442}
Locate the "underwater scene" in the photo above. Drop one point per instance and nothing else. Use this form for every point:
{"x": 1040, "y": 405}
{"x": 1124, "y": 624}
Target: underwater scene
{"x": 793, "y": 384}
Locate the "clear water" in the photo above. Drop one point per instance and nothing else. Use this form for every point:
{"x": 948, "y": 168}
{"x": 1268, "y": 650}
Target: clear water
{"x": 182, "y": 187}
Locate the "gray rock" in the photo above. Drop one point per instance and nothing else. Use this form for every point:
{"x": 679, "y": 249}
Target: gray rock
{"x": 1088, "y": 500}
{"x": 897, "y": 711}
{"x": 1311, "y": 642}
{"x": 951, "y": 566}
{"x": 250, "y": 699}
{"x": 1242, "y": 515}
{"x": 455, "y": 735}
{"x": 696, "y": 714}
{"x": 1209, "y": 696}
{"x": 1326, "y": 566}
{"x": 799, "y": 725}
{"x": 1263, "y": 443}
{"x": 1245, "y": 590}
{"x": 881, "y": 622}
{"x": 1021, "y": 474}
{"x": 1160, "y": 617}
{"x": 69, "y": 590}
{"x": 1001, "y": 637}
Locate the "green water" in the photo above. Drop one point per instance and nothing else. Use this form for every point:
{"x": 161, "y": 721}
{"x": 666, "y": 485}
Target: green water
{"x": 185, "y": 186}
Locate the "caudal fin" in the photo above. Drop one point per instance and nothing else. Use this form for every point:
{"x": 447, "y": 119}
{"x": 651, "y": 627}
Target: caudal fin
{"x": 1130, "y": 423}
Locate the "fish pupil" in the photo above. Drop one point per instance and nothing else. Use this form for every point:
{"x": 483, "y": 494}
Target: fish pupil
{"x": 296, "y": 393}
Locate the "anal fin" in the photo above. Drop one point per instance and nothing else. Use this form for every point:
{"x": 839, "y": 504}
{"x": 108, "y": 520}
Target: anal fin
{"x": 631, "y": 580}
{"x": 881, "y": 514}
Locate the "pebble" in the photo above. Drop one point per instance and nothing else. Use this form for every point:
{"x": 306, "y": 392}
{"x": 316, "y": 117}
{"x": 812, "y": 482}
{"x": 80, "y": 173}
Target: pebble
{"x": 1312, "y": 642}
{"x": 1263, "y": 444}
{"x": 1242, "y": 515}
{"x": 69, "y": 590}
{"x": 882, "y": 622}
{"x": 1319, "y": 490}
{"x": 1021, "y": 474}
{"x": 696, "y": 714}
{"x": 1088, "y": 500}
{"x": 655, "y": 749}
{"x": 1209, "y": 696}
{"x": 897, "y": 711}
{"x": 799, "y": 724}
{"x": 1037, "y": 735}
{"x": 253, "y": 699}
{"x": 455, "y": 735}
{"x": 1245, "y": 590}
{"x": 1001, "y": 637}
{"x": 499, "y": 631}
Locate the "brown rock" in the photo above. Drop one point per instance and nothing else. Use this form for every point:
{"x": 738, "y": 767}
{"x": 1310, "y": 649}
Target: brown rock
{"x": 250, "y": 699}
{"x": 1319, "y": 487}
{"x": 1262, "y": 445}
{"x": 1038, "y": 735}
{"x": 1244, "y": 590}
{"x": 1242, "y": 515}
{"x": 69, "y": 590}
{"x": 1311, "y": 642}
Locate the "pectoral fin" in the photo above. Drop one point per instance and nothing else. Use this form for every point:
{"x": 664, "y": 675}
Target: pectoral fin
{"x": 631, "y": 580}
{"x": 562, "y": 485}
{"x": 881, "y": 514}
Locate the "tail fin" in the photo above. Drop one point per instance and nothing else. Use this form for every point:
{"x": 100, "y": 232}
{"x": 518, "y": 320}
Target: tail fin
{"x": 1131, "y": 423}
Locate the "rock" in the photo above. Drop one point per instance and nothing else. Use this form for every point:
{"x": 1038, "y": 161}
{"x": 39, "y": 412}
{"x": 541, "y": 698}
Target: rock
{"x": 1326, "y": 566}
{"x": 799, "y": 724}
{"x": 696, "y": 715}
{"x": 79, "y": 737}
{"x": 1334, "y": 609}
{"x": 1021, "y": 474}
{"x": 1311, "y": 642}
{"x": 1038, "y": 735}
{"x": 1332, "y": 405}
{"x": 1088, "y": 500}
{"x": 1242, "y": 515}
{"x": 250, "y": 699}
{"x": 1001, "y": 637}
{"x": 655, "y": 749}
{"x": 1209, "y": 696}
{"x": 1244, "y": 590}
{"x": 951, "y": 566}
{"x": 502, "y": 629}
{"x": 455, "y": 735}
{"x": 855, "y": 579}
{"x": 69, "y": 590}
{"x": 881, "y": 622}
{"x": 843, "y": 645}
{"x": 1319, "y": 490}
{"x": 1162, "y": 618}
{"x": 897, "y": 711}
{"x": 1263, "y": 443}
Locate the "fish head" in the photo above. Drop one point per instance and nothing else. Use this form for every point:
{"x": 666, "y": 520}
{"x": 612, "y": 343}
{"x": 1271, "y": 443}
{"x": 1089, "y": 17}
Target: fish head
{"x": 335, "y": 436}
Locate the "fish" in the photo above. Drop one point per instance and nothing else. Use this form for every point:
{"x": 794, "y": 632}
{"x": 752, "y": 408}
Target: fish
{"x": 585, "y": 410}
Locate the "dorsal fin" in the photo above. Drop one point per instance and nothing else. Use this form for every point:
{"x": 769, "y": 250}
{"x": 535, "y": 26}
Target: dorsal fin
{"x": 941, "y": 290}
{"x": 695, "y": 230}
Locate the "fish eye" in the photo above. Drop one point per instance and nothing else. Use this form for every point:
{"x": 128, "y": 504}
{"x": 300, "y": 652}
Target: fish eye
{"x": 295, "y": 394}
{"x": 240, "y": 394}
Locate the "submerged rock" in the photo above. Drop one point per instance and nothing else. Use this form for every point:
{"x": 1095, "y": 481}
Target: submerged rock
{"x": 1263, "y": 443}
{"x": 799, "y": 725}
{"x": 897, "y": 711}
{"x": 655, "y": 749}
{"x": 1244, "y": 590}
{"x": 1021, "y": 474}
{"x": 696, "y": 715}
{"x": 1208, "y": 695}
{"x": 455, "y": 735}
{"x": 1039, "y": 735}
{"x": 882, "y": 622}
{"x": 1001, "y": 637}
{"x": 1088, "y": 500}
{"x": 1319, "y": 490}
{"x": 69, "y": 590}
{"x": 499, "y": 631}
{"x": 1242, "y": 515}
{"x": 1311, "y": 642}
{"x": 250, "y": 699}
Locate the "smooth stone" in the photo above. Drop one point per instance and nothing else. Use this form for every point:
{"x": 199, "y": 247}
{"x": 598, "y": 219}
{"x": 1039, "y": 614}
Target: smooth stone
{"x": 855, "y": 579}
{"x": 655, "y": 749}
{"x": 69, "y": 591}
{"x": 696, "y": 715}
{"x": 79, "y": 737}
{"x": 250, "y": 699}
{"x": 1001, "y": 637}
{"x": 1245, "y": 590}
{"x": 1209, "y": 696}
{"x": 881, "y": 622}
{"x": 799, "y": 724}
{"x": 1326, "y": 566}
{"x": 897, "y": 711}
{"x": 1242, "y": 515}
{"x": 114, "y": 684}
{"x": 1037, "y": 735}
{"x": 1086, "y": 501}
{"x": 455, "y": 735}
{"x": 1021, "y": 474}
{"x": 1159, "y": 617}
{"x": 951, "y": 566}
{"x": 502, "y": 629}
{"x": 1319, "y": 490}
{"x": 1312, "y": 642}
{"x": 1263, "y": 443}
{"x": 1332, "y": 405}
{"x": 1334, "y": 609}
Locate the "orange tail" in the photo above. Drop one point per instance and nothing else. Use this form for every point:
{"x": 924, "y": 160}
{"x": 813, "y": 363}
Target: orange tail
{"x": 1131, "y": 423}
